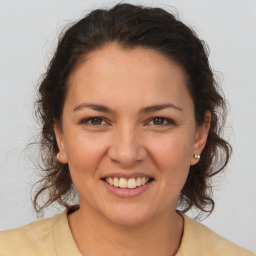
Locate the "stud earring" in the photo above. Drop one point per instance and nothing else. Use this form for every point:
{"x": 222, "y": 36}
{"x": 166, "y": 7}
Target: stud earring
{"x": 196, "y": 156}
{"x": 59, "y": 155}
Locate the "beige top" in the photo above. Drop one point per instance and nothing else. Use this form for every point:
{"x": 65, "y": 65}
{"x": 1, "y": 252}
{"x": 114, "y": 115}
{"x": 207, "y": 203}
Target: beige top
{"x": 52, "y": 237}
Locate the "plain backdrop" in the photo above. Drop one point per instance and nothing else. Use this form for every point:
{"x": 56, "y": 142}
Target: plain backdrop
{"x": 28, "y": 36}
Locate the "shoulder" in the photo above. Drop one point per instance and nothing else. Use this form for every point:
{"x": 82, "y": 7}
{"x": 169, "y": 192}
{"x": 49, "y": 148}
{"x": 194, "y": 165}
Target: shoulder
{"x": 203, "y": 241}
{"x": 35, "y": 238}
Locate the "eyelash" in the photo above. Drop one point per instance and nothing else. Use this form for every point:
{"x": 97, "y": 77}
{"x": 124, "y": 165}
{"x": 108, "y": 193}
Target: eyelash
{"x": 164, "y": 119}
{"x": 87, "y": 120}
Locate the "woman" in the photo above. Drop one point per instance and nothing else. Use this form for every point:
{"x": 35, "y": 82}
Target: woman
{"x": 130, "y": 120}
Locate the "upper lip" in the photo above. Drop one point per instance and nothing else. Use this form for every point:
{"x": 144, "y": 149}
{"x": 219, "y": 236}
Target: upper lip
{"x": 127, "y": 175}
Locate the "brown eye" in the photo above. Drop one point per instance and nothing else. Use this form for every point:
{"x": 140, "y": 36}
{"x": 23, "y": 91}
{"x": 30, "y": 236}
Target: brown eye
{"x": 158, "y": 121}
{"x": 93, "y": 121}
{"x": 161, "y": 121}
{"x": 96, "y": 121}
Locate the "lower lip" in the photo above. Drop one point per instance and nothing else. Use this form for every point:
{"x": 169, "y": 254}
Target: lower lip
{"x": 127, "y": 192}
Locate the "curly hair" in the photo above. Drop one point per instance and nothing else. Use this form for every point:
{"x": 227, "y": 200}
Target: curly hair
{"x": 130, "y": 26}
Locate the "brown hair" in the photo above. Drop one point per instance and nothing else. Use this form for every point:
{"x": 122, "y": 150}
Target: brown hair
{"x": 131, "y": 26}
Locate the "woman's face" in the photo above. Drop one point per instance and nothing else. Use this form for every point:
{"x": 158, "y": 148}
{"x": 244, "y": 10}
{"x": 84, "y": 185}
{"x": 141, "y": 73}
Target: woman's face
{"x": 128, "y": 116}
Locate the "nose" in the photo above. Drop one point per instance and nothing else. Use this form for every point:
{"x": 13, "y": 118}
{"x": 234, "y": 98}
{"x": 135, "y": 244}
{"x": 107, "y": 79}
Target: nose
{"x": 126, "y": 147}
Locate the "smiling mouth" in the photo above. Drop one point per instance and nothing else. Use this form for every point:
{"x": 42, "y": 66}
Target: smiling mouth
{"x": 131, "y": 183}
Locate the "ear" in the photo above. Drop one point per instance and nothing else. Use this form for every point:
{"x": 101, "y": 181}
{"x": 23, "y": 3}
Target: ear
{"x": 61, "y": 156}
{"x": 201, "y": 137}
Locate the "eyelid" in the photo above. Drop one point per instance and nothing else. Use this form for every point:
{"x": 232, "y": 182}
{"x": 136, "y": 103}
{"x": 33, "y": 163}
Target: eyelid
{"x": 169, "y": 120}
{"x": 86, "y": 121}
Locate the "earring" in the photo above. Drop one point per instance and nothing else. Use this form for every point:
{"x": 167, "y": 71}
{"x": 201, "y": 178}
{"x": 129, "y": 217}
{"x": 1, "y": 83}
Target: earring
{"x": 196, "y": 156}
{"x": 59, "y": 155}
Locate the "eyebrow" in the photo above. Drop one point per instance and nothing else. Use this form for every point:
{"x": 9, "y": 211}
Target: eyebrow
{"x": 159, "y": 107}
{"x": 105, "y": 109}
{"x": 100, "y": 108}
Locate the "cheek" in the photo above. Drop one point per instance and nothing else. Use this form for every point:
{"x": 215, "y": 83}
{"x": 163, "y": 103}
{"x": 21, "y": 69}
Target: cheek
{"x": 173, "y": 148}
{"x": 172, "y": 156}
{"x": 84, "y": 153}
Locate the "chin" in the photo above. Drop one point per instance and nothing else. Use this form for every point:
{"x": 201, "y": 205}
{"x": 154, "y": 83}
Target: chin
{"x": 128, "y": 216}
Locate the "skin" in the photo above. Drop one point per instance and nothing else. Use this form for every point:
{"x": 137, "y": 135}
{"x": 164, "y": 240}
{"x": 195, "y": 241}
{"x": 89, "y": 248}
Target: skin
{"x": 127, "y": 141}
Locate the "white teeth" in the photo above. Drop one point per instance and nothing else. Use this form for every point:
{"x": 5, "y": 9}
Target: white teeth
{"x": 130, "y": 183}
{"x": 138, "y": 182}
{"x": 110, "y": 181}
{"x": 116, "y": 182}
{"x": 122, "y": 183}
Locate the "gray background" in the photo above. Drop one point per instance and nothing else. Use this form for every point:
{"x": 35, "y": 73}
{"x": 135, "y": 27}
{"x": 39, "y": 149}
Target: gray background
{"x": 28, "y": 34}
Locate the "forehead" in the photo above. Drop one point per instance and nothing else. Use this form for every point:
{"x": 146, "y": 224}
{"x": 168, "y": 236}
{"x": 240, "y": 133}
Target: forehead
{"x": 115, "y": 73}
{"x": 113, "y": 57}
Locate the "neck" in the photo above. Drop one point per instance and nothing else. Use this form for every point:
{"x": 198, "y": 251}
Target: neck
{"x": 95, "y": 235}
